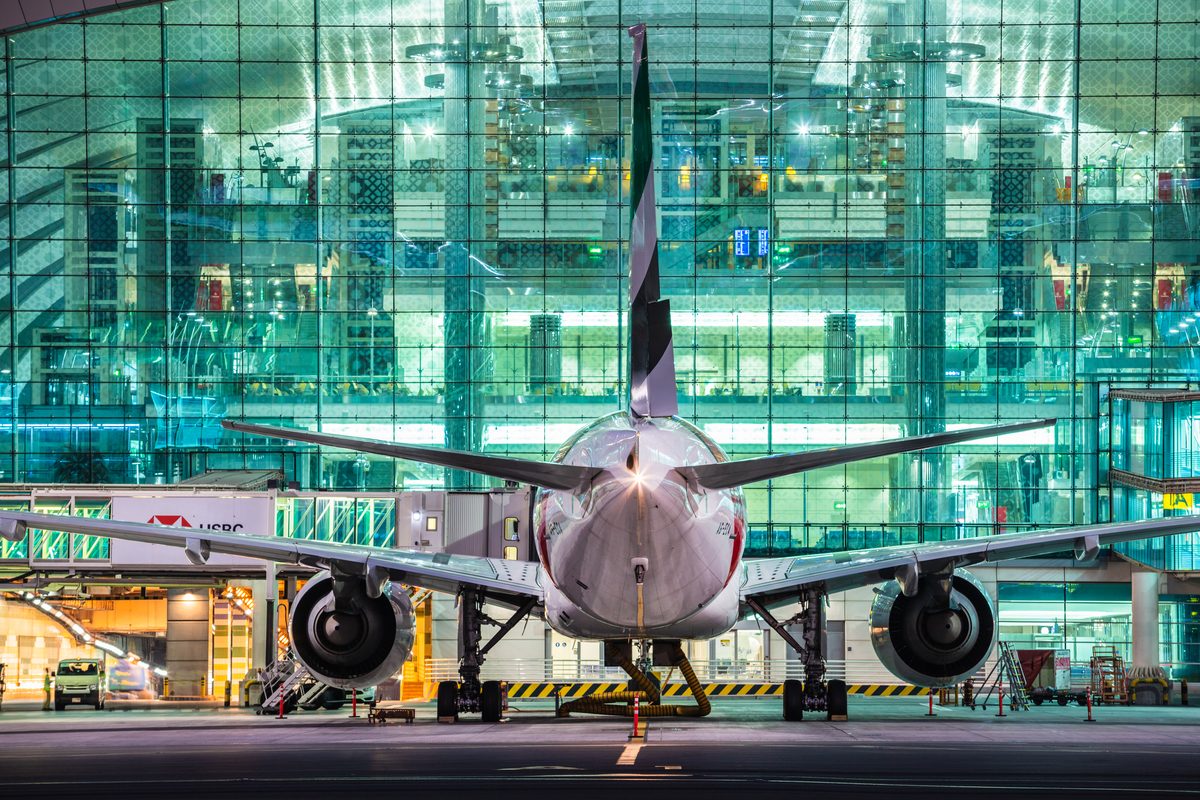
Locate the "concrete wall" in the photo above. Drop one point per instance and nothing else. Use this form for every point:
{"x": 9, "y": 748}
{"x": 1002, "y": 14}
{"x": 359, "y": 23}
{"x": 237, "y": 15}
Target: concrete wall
{"x": 188, "y": 614}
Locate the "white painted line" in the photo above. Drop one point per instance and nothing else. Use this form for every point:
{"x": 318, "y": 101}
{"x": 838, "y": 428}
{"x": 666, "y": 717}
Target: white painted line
{"x": 629, "y": 754}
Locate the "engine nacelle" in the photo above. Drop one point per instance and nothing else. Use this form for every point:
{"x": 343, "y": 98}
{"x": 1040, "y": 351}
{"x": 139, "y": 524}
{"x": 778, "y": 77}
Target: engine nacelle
{"x": 355, "y": 648}
{"x": 933, "y": 647}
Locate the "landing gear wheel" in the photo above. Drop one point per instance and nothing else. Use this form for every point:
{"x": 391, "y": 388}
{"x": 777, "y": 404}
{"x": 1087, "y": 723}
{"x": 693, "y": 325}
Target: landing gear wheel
{"x": 490, "y": 701}
{"x": 447, "y": 701}
{"x": 793, "y": 701}
{"x": 835, "y": 700}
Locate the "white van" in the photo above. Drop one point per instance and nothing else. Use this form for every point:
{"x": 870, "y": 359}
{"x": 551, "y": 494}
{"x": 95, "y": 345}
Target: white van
{"x": 80, "y": 681}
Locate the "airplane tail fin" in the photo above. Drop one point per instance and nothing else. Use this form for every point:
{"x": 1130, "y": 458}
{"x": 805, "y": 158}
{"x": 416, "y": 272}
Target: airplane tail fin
{"x": 652, "y": 391}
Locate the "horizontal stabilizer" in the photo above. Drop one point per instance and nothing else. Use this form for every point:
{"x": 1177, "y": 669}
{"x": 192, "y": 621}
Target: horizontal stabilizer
{"x": 727, "y": 474}
{"x": 546, "y": 474}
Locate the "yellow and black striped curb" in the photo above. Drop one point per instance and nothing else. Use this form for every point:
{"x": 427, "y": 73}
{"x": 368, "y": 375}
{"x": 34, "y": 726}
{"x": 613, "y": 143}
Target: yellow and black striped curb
{"x": 886, "y": 690}
{"x": 569, "y": 691}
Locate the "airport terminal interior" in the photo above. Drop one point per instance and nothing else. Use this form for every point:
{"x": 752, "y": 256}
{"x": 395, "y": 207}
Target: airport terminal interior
{"x": 409, "y": 220}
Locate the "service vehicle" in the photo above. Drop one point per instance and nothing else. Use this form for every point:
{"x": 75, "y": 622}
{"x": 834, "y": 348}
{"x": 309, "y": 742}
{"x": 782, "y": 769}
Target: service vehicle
{"x": 80, "y": 681}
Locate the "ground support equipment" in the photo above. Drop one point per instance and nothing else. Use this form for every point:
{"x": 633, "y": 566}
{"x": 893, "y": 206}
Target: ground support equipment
{"x": 1007, "y": 678}
{"x": 384, "y": 710}
{"x": 648, "y": 693}
{"x": 1109, "y": 681}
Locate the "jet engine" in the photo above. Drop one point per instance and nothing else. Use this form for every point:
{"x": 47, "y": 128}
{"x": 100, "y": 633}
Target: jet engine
{"x": 939, "y": 634}
{"x": 354, "y": 640}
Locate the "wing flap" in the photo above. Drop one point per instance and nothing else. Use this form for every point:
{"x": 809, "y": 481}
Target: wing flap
{"x": 546, "y": 474}
{"x": 440, "y": 571}
{"x": 727, "y": 474}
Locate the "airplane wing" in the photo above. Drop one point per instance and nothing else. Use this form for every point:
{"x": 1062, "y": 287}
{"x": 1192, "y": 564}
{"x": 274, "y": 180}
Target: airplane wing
{"x": 727, "y": 474}
{"x": 501, "y": 579}
{"x": 776, "y": 581}
{"x": 546, "y": 474}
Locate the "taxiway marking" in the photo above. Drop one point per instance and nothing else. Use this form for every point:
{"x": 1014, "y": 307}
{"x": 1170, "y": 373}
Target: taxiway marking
{"x": 629, "y": 754}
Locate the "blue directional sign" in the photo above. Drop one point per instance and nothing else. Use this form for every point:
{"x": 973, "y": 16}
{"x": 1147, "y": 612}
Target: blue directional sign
{"x": 741, "y": 241}
{"x": 764, "y": 242}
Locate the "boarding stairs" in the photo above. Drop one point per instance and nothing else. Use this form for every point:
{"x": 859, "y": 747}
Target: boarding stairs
{"x": 285, "y": 680}
{"x": 1007, "y": 676}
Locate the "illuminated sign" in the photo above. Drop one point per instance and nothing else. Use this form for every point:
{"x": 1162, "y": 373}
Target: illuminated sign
{"x": 741, "y": 242}
{"x": 1179, "y": 502}
{"x": 764, "y": 242}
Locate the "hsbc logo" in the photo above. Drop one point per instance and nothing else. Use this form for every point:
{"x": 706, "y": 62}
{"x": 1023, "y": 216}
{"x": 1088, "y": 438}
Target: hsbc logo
{"x": 180, "y": 521}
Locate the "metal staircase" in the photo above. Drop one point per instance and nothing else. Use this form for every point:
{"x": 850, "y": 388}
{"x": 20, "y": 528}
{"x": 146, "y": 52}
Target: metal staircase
{"x": 1109, "y": 684}
{"x": 1006, "y": 676}
{"x": 281, "y": 680}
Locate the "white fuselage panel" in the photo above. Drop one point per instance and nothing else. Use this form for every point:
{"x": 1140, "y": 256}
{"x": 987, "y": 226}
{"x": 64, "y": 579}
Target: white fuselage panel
{"x": 641, "y": 554}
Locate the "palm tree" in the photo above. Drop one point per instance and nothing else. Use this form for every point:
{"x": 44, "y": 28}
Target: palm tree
{"x": 77, "y": 464}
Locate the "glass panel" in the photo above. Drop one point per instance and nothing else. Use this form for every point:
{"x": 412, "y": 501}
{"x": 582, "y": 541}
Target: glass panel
{"x": 409, "y": 221}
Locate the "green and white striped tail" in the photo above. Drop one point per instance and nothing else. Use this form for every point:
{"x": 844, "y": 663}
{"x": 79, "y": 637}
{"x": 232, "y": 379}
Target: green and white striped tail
{"x": 652, "y": 391}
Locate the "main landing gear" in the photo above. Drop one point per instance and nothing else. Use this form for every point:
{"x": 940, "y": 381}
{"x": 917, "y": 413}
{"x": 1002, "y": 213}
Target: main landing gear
{"x": 469, "y": 695}
{"x": 814, "y": 693}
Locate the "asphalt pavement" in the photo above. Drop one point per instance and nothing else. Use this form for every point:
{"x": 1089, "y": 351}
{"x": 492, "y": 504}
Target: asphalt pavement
{"x": 888, "y": 745}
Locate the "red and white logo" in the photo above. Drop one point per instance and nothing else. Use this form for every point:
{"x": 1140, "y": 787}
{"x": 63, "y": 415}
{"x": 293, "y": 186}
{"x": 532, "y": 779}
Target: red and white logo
{"x": 177, "y": 520}
{"x": 180, "y": 521}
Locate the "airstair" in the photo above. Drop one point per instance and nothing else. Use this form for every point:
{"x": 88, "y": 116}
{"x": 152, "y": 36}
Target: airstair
{"x": 284, "y": 682}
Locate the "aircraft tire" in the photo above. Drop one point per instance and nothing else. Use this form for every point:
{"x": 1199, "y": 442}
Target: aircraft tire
{"x": 793, "y": 701}
{"x": 491, "y": 701}
{"x": 835, "y": 699}
{"x": 447, "y": 700}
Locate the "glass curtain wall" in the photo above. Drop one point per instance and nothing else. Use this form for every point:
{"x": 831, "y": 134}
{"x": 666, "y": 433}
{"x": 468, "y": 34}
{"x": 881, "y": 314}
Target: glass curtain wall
{"x": 408, "y": 220}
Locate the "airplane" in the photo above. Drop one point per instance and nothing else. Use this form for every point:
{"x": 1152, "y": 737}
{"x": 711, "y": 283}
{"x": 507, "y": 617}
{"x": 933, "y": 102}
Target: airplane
{"x": 639, "y": 525}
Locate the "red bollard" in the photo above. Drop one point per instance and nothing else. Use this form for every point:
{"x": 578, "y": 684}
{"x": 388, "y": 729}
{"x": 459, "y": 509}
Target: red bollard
{"x": 1089, "y": 705}
{"x": 931, "y": 714}
{"x": 636, "y": 707}
{"x": 281, "y": 716}
{"x": 354, "y": 704}
{"x": 1001, "y": 712}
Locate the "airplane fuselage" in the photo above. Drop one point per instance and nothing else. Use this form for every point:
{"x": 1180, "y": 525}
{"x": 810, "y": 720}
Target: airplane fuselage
{"x": 640, "y": 553}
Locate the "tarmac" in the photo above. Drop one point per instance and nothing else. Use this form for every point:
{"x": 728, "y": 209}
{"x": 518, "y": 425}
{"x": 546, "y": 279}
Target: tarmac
{"x": 888, "y": 745}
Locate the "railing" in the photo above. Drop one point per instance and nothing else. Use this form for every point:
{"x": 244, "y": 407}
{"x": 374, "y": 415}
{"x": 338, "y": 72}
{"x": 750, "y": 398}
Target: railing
{"x": 708, "y": 671}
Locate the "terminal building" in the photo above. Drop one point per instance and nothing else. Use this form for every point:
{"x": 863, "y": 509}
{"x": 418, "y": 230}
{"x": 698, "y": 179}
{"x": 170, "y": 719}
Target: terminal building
{"x": 409, "y": 221}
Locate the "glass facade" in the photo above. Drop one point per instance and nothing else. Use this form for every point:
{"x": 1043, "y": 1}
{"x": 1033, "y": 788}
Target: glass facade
{"x": 408, "y": 220}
